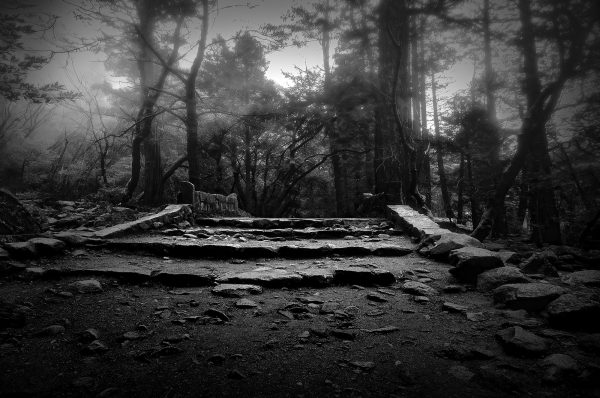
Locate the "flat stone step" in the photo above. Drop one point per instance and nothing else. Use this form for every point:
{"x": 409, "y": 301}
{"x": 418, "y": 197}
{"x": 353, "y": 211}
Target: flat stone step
{"x": 203, "y": 248}
{"x": 304, "y": 233}
{"x": 208, "y": 273}
{"x": 281, "y": 223}
{"x": 415, "y": 223}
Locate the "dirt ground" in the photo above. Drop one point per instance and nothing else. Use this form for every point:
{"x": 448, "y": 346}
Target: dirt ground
{"x": 336, "y": 341}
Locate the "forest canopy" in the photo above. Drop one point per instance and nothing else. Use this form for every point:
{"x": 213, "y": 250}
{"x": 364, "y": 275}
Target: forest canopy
{"x": 481, "y": 112}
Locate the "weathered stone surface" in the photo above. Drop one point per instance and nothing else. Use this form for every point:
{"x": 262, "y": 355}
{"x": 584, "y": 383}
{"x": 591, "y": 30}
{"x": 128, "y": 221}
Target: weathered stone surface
{"x": 316, "y": 276}
{"x": 21, "y": 249}
{"x": 493, "y": 278}
{"x": 508, "y": 257}
{"x": 453, "y": 307}
{"x": 418, "y": 289}
{"x": 541, "y": 263}
{"x": 415, "y": 223}
{"x": 517, "y": 341}
{"x": 236, "y": 290}
{"x": 575, "y": 311}
{"x": 245, "y": 303}
{"x": 264, "y": 276}
{"x": 87, "y": 286}
{"x": 586, "y": 277}
{"x": 3, "y": 254}
{"x": 365, "y": 276}
{"x": 469, "y": 262}
{"x": 559, "y": 367}
{"x": 452, "y": 241}
{"x": 179, "y": 278}
{"x": 169, "y": 213}
{"x": 71, "y": 238}
{"x": 47, "y": 246}
{"x": 527, "y": 296}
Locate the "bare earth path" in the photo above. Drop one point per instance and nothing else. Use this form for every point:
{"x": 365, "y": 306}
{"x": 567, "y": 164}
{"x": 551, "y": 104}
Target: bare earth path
{"x": 322, "y": 326}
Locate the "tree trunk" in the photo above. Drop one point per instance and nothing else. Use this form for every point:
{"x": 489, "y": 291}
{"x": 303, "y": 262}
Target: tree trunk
{"x": 152, "y": 171}
{"x": 475, "y": 217}
{"x": 461, "y": 184}
{"x": 191, "y": 120}
{"x": 440, "y": 154}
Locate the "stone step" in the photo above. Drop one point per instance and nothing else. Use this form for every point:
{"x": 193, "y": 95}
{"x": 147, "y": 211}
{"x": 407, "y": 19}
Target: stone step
{"x": 281, "y": 223}
{"x": 304, "y": 233}
{"x": 204, "y": 248}
{"x": 208, "y": 273}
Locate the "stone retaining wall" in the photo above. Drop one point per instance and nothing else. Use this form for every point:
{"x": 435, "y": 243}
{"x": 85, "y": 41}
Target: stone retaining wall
{"x": 207, "y": 202}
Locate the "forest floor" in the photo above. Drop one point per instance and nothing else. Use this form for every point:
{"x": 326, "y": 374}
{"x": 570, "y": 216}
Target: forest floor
{"x": 123, "y": 336}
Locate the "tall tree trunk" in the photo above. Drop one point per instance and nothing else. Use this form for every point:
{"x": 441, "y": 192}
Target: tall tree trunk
{"x": 386, "y": 152}
{"x": 152, "y": 170}
{"x": 488, "y": 70}
{"x": 191, "y": 121}
{"x": 542, "y": 205}
{"x": 460, "y": 205}
{"x": 440, "y": 154}
{"x": 475, "y": 217}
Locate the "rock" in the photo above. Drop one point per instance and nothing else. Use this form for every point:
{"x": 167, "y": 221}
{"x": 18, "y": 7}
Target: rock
{"x": 15, "y": 219}
{"x": 71, "y": 238}
{"x": 461, "y": 372}
{"x": 34, "y": 273}
{"x": 51, "y": 330}
{"x": 376, "y": 297}
{"x": 89, "y": 335}
{"x": 86, "y": 382}
{"x": 95, "y": 347}
{"x": 541, "y": 263}
{"x": 452, "y": 241}
{"x": 213, "y": 313}
{"x": 469, "y": 262}
{"x": 508, "y": 257}
{"x": 236, "y": 290}
{"x": 87, "y": 286}
{"x": 451, "y": 289}
{"x": 519, "y": 342}
{"x": 587, "y": 277}
{"x": 329, "y": 307}
{"x": 383, "y": 330}
{"x": 493, "y": 278}
{"x": 421, "y": 299}
{"x": 132, "y": 335}
{"x": 559, "y": 367}
{"x": 456, "y": 308}
{"x": 362, "y": 365}
{"x": 48, "y": 246}
{"x": 575, "y": 311}
{"x": 527, "y": 296}
{"x": 245, "y": 303}
{"x": 418, "y": 289}
{"x": 476, "y": 316}
{"x": 217, "y": 359}
{"x": 21, "y": 249}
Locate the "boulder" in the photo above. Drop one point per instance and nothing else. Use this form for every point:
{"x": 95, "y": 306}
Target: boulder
{"x": 469, "y": 262}
{"x": 47, "y": 246}
{"x": 587, "y": 277}
{"x": 87, "y": 286}
{"x": 15, "y": 219}
{"x": 541, "y": 263}
{"x": 559, "y": 367}
{"x": 3, "y": 255}
{"x": 527, "y": 296}
{"x": 519, "y": 342}
{"x": 21, "y": 249}
{"x": 452, "y": 241}
{"x": 508, "y": 257}
{"x": 493, "y": 278}
{"x": 418, "y": 289}
{"x": 575, "y": 311}
{"x": 236, "y": 290}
